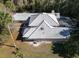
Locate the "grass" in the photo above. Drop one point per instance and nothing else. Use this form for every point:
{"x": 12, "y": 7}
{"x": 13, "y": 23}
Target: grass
{"x": 6, "y": 52}
{"x": 41, "y": 51}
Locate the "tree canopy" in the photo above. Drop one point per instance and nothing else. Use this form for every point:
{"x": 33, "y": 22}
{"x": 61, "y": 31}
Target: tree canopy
{"x": 65, "y": 7}
{"x": 5, "y": 19}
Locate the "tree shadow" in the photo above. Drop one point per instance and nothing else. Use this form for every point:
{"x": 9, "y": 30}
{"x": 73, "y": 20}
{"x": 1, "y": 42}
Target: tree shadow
{"x": 21, "y": 30}
{"x": 2, "y": 44}
{"x": 58, "y": 48}
{"x": 65, "y": 32}
{"x": 1, "y": 28}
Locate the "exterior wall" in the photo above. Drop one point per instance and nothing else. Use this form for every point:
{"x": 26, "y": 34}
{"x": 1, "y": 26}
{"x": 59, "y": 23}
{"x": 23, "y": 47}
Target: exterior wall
{"x": 53, "y": 40}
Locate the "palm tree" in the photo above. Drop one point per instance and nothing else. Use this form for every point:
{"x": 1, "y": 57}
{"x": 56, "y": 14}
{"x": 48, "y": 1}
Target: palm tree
{"x": 5, "y": 19}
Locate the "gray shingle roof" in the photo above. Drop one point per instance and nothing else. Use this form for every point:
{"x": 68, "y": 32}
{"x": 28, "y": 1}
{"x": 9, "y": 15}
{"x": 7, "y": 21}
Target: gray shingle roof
{"x": 41, "y": 26}
{"x": 47, "y": 32}
{"x": 22, "y": 16}
{"x": 32, "y": 18}
{"x": 50, "y": 18}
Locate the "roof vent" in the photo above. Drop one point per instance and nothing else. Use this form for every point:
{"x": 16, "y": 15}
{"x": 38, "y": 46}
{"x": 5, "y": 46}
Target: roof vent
{"x": 42, "y": 28}
{"x": 52, "y": 11}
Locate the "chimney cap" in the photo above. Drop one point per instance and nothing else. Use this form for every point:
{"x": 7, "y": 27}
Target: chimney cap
{"x": 53, "y": 11}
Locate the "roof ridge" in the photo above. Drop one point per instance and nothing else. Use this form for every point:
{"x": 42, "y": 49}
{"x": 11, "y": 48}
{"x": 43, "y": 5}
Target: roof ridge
{"x": 39, "y": 25}
{"x": 48, "y": 24}
{"x": 36, "y": 29}
{"x": 34, "y": 18}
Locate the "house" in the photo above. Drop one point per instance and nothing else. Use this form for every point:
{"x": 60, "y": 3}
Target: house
{"x": 44, "y": 26}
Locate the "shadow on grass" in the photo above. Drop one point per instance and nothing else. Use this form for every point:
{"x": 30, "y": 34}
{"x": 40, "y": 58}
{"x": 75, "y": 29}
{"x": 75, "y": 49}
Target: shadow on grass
{"x": 2, "y": 44}
{"x": 24, "y": 26}
{"x": 19, "y": 37}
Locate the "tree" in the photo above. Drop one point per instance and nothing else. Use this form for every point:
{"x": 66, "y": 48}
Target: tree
{"x": 18, "y": 53}
{"x": 5, "y": 19}
{"x": 2, "y": 7}
{"x": 69, "y": 48}
{"x": 10, "y": 5}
